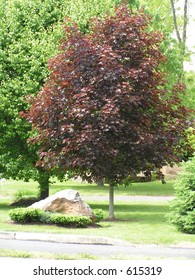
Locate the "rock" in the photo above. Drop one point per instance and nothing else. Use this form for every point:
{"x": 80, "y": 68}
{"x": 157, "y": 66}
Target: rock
{"x": 66, "y": 202}
{"x": 171, "y": 173}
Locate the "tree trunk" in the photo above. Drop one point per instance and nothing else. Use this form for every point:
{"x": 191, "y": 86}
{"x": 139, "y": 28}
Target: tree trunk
{"x": 100, "y": 183}
{"x": 111, "y": 202}
{"x": 175, "y": 22}
{"x": 43, "y": 181}
{"x": 181, "y": 36}
{"x": 185, "y": 23}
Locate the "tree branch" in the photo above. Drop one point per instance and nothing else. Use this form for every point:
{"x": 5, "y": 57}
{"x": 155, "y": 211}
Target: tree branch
{"x": 185, "y": 24}
{"x": 175, "y": 22}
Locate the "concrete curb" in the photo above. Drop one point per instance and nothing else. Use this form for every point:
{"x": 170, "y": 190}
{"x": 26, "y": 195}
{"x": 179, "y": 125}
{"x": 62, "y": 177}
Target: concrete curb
{"x": 61, "y": 238}
{"x": 84, "y": 239}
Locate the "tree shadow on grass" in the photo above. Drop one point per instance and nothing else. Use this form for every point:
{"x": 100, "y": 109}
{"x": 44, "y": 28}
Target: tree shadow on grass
{"x": 145, "y": 213}
{"x": 5, "y": 206}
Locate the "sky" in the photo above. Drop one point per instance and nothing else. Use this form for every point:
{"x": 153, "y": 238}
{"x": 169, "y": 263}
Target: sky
{"x": 191, "y": 35}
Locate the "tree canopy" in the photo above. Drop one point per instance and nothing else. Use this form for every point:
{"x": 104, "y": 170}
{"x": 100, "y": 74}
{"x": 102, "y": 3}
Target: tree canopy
{"x": 29, "y": 34}
{"x": 105, "y": 111}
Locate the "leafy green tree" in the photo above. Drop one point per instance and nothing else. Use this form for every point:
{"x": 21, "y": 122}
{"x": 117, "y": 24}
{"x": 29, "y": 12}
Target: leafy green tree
{"x": 172, "y": 19}
{"x": 181, "y": 29}
{"x": 29, "y": 34}
{"x": 190, "y": 89}
{"x": 103, "y": 112}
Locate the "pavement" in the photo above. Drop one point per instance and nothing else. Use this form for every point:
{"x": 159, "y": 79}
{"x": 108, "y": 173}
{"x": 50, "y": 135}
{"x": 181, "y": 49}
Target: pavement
{"x": 61, "y": 238}
{"x": 108, "y": 251}
{"x": 84, "y": 239}
{"x": 94, "y": 245}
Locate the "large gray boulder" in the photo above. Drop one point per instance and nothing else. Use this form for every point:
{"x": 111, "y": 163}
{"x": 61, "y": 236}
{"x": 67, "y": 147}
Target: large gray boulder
{"x": 66, "y": 202}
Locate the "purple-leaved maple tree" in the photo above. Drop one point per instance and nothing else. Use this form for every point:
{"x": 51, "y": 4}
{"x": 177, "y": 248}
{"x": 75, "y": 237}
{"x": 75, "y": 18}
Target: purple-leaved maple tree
{"x": 104, "y": 111}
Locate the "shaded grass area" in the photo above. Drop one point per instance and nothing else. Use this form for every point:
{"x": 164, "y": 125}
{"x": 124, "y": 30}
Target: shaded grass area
{"x": 138, "y": 211}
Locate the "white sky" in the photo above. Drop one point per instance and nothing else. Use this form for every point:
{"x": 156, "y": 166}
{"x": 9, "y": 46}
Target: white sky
{"x": 191, "y": 35}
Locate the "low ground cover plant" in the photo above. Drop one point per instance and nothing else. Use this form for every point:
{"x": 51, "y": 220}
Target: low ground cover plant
{"x": 31, "y": 215}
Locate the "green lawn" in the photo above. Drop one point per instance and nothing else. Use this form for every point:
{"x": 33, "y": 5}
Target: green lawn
{"x": 150, "y": 189}
{"x": 142, "y": 222}
{"x": 10, "y": 187}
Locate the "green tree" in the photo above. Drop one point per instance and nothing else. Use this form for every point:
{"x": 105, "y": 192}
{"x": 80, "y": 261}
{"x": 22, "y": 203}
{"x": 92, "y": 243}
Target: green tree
{"x": 29, "y": 34}
{"x": 181, "y": 28}
{"x": 174, "y": 27}
{"x": 172, "y": 17}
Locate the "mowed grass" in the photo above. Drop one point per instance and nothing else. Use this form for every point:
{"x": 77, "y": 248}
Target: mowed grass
{"x": 140, "y": 222}
{"x": 141, "y": 189}
{"x": 155, "y": 188}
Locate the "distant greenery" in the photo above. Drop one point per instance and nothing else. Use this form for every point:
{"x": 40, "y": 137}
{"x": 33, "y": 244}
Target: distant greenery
{"x": 25, "y": 194}
{"x": 190, "y": 90}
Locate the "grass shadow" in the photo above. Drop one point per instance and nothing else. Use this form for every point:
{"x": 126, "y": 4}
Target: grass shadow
{"x": 145, "y": 213}
{"x": 5, "y": 206}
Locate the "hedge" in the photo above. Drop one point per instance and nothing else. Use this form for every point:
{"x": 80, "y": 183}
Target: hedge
{"x": 33, "y": 215}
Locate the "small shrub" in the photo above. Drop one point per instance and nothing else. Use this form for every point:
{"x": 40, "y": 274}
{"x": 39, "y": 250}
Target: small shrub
{"x": 24, "y": 194}
{"x": 46, "y": 217}
{"x": 25, "y": 215}
{"x": 75, "y": 221}
{"x": 183, "y": 207}
{"x": 99, "y": 214}
{"x": 24, "y": 198}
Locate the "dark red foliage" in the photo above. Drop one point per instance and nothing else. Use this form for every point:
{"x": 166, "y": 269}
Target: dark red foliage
{"x": 103, "y": 111}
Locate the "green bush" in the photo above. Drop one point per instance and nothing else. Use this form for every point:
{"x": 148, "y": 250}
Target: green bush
{"x": 74, "y": 221}
{"x": 25, "y": 215}
{"x": 46, "y": 217}
{"x": 25, "y": 194}
{"x": 189, "y": 222}
{"x": 31, "y": 215}
{"x": 99, "y": 215}
{"x": 183, "y": 207}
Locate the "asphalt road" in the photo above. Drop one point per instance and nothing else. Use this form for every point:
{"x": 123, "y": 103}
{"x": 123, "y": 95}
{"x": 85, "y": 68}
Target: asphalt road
{"x": 98, "y": 250}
